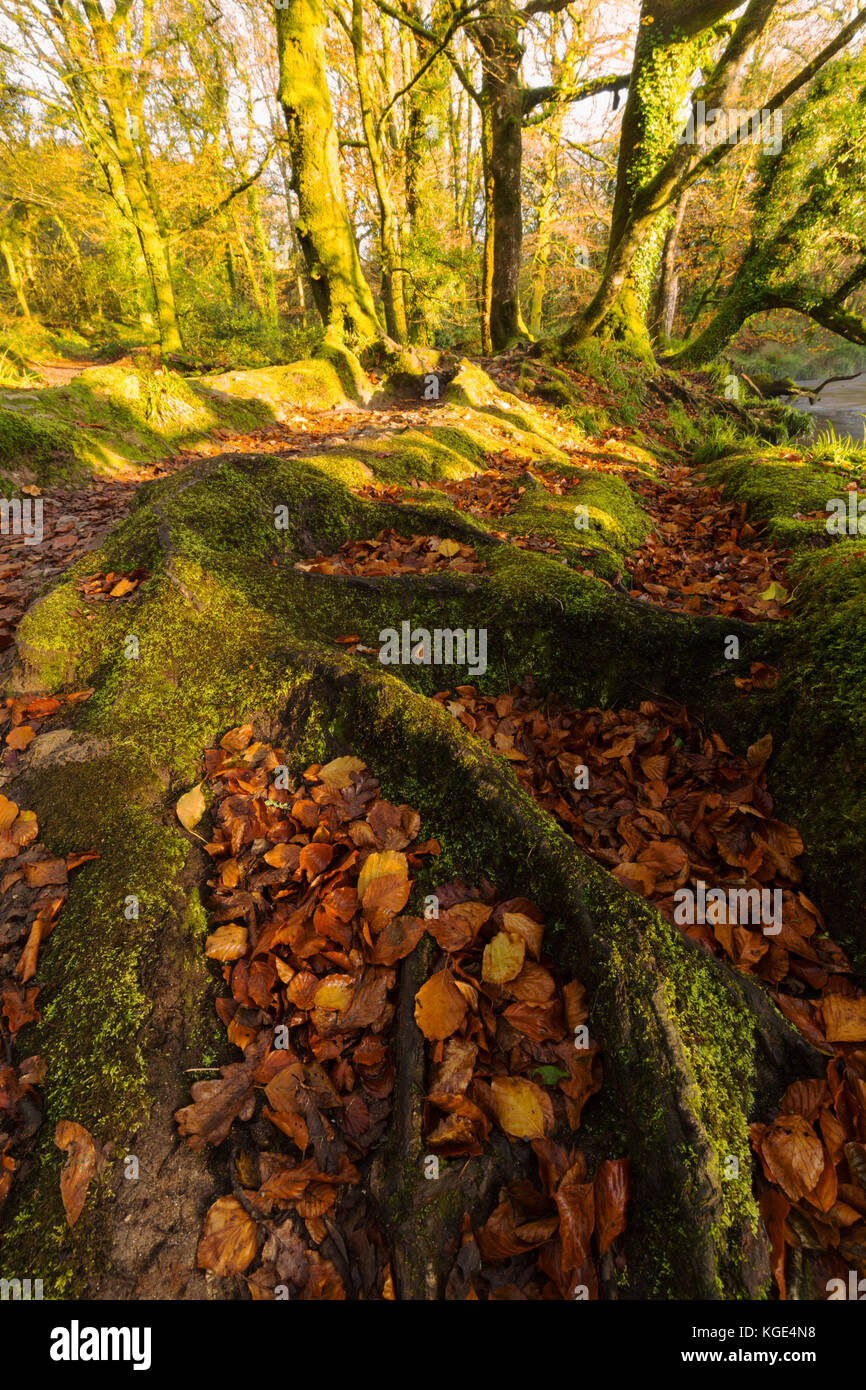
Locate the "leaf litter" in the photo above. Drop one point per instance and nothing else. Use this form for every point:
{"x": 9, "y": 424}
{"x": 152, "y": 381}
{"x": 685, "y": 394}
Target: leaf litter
{"x": 309, "y": 911}
{"x": 672, "y": 807}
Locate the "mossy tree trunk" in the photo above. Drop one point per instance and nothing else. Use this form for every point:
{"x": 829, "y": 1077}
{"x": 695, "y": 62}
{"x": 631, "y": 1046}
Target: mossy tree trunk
{"x": 667, "y": 289}
{"x": 265, "y": 256}
{"x": 13, "y": 275}
{"x": 497, "y": 38}
{"x": 109, "y": 105}
{"x": 544, "y": 233}
{"x": 674, "y": 38}
{"x": 393, "y": 278}
{"x": 323, "y": 228}
{"x": 772, "y": 272}
{"x": 425, "y": 129}
{"x": 670, "y": 45}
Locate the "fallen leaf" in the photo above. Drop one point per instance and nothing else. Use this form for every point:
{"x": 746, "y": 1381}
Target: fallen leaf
{"x": 78, "y": 1169}
{"x": 190, "y": 808}
{"x": 440, "y": 1008}
{"x": 523, "y": 1109}
{"x": 229, "y": 1241}
{"x": 503, "y": 958}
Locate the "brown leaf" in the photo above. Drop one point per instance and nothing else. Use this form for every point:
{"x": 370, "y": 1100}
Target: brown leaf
{"x": 229, "y": 1241}
{"x": 774, "y": 1208}
{"x": 227, "y": 943}
{"x": 396, "y": 939}
{"x": 844, "y": 1017}
{"x": 611, "y": 1185}
{"x": 575, "y": 1202}
{"x": 79, "y": 1167}
{"x": 440, "y": 1008}
{"x": 793, "y": 1155}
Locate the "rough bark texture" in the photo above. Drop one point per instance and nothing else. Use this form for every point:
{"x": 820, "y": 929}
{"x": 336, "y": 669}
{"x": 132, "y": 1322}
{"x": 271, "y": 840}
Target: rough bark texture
{"x": 497, "y": 39}
{"x": 324, "y": 231}
{"x": 667, "y": 289}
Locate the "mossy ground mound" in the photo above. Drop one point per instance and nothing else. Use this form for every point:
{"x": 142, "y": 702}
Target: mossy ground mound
{"x": 819, "y": 771}
{"x": 225, "y": 630}
{"x": 135, "y": 411}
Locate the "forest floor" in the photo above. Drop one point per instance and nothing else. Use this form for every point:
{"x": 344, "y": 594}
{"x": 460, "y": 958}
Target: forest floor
{"x": 670, "y": 804}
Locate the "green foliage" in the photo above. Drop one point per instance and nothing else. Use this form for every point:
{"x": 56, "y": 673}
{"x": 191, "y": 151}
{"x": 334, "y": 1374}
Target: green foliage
{"x": 836, "y": 449}
{"x": 235, "y": 335}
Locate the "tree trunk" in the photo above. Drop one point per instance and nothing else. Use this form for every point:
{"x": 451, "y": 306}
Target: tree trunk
{"x": 14, "y": 277}
{"x": 266, "y": 260}
{"x": 673, "y": 40}
{"x": 541, "y": 259}
{"x": 324, "y": 231}
{"x": 667, "y": 289}
{"x": 502, "y": 142}
{"x": 393, "y": 295}
{"x": 665, "y": 60}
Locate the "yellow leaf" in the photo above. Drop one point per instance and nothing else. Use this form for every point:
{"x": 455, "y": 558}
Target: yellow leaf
{"x": 775, "y": 591}
{"x": 338, "y": 774}
{"x": 448, "y": 548}
{"x": 123, "y": 586}
{"x": 390, "y": 861}
{"x": 519, "y": 925}
{"x": 503, "y": 959}
{"x": 190, "y": 808}
{"x": 335, "y": 992}
{"x": 518, "y": 1106}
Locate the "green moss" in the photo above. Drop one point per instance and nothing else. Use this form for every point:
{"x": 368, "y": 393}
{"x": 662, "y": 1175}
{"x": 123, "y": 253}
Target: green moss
{"x": 133, "y": 411}
{"x": 34, "y": 448}
{"x": 717, "y": 1033}
{"x": 228, "y": 629}
{"x": 818, "y": 771}
{"x": 96, "y": 1004}
{"x": 776, "y": 486}
{"x": 317, "y": 384}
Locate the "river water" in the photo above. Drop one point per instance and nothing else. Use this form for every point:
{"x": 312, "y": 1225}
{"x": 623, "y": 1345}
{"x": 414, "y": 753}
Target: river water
{"x": 840, "y": 405}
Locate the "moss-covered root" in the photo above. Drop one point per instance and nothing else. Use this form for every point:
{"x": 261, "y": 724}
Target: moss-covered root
{"x": 685, "y": 1042}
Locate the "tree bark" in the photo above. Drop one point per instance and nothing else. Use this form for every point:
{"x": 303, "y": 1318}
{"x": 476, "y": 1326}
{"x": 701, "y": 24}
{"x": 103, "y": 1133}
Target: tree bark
{"x": 667, "y": 289}
{"x": 324, "y": 231}
{"x": 501, "y": 52}
{"x": 393, "y": 280}
{"x": 14, "y": 277}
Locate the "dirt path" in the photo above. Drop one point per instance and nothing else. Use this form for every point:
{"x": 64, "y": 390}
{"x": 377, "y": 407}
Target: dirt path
{"x": 75, "y": 519}
{"x": 62, "y": 372}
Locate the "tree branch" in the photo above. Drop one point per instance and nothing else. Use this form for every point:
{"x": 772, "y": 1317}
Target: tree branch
{"x": 233, "y": 193}
{"x": 536, "y": 96}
